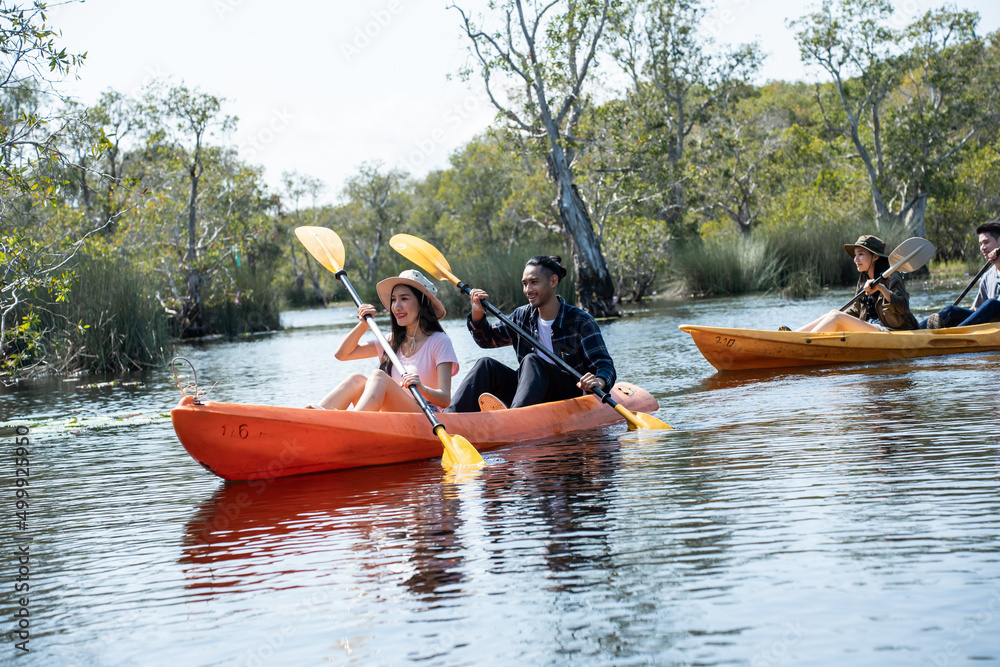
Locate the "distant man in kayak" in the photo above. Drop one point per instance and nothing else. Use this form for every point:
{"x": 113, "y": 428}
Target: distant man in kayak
{"x": 986, "y": 307}
{"x": 569, "y": 331}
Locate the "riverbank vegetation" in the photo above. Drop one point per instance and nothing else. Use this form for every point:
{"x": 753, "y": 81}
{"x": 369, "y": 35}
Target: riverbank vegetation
{"x": 134, "y": 221}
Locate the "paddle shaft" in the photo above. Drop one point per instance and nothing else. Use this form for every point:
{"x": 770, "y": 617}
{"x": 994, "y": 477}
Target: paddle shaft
{"x": 860, "y": 294}
{"x": 974, "y": 281}
{"x": 600, "y": 393}
{"x": 370, "y": 321}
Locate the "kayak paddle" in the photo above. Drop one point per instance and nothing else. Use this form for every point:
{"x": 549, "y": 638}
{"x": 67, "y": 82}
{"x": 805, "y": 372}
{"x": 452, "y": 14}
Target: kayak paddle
{"x": 974, "y": 281}
{"x": 328, "y": 249}
{"x": 908, "y": 256}
{"x": 430, "y": 259}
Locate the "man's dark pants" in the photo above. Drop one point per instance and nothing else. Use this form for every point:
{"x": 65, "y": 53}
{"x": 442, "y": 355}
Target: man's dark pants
{"x": 956, "y": 316}
{"x": 536, "y": 381}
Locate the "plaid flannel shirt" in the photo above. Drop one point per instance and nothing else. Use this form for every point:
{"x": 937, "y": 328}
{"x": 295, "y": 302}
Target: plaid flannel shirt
{"x": 576, "y": 339}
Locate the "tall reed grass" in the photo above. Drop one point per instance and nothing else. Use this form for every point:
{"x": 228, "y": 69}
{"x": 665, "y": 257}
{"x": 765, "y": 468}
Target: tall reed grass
{"x": 106, "y": 324}
{"x": 249, "y": 304}
{"x": 731, "y": 266}
{"x": 795, "y": 260}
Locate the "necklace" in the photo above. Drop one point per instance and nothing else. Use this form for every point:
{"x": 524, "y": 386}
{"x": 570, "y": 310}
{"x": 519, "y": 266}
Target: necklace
{"x": 410, "y": 344}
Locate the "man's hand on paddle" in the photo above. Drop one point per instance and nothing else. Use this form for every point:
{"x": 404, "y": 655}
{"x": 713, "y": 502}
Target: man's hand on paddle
{"x": 588, "y": 381}
{"x": 478, "y": 312}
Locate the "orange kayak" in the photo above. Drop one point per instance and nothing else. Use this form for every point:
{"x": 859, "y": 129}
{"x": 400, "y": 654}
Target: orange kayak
{"x": 249, "y": 442}
{"x": 746, "y": 349}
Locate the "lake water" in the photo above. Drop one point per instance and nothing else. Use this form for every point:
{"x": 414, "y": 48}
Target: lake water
{"x": 840, "y": 515}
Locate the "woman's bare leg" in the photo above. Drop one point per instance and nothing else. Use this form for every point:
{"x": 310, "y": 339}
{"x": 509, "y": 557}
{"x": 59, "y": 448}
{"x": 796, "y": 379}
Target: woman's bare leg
{"x": 347, "y": 392}
{"x": 382, "y": 393}
{"x": 837, "y": 321}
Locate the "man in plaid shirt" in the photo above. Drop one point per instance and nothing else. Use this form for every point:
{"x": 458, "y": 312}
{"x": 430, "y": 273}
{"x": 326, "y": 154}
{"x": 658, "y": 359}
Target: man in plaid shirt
{"x": 568, "y": 331}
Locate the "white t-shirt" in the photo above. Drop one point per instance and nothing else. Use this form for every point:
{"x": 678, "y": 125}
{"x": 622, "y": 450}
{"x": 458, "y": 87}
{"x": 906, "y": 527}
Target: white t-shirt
{"x": 545, "y": 338}
{"x": 437, "y": 349}
{"x": 989, "y": 287}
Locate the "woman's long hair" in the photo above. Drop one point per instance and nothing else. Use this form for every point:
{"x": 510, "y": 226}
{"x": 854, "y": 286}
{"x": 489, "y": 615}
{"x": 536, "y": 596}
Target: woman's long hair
{"x": 881, "y": 265}
{"x": 428, "y": 321}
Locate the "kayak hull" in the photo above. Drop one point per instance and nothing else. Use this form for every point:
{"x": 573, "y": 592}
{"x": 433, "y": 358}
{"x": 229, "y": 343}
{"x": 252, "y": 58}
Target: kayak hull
{"x": 747, "y": 349}
{"x": 250, "y": 442}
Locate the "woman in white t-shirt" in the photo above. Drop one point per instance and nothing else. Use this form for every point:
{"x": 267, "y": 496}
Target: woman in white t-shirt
{"x": 417, "y": 339}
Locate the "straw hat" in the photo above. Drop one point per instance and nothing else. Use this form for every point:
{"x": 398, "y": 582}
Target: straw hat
{"x": 872, "y": 244}
{"x": 417, "y": 281}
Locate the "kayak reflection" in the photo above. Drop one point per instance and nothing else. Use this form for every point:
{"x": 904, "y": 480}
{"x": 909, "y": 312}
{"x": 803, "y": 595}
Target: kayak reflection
{"x": 406, "y": 524}
{"x": 264, "y": 533}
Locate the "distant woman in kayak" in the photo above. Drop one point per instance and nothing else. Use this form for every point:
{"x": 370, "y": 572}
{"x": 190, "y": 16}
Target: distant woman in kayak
{"x": 884, "y": 307}
{"x": 417, "y": 339}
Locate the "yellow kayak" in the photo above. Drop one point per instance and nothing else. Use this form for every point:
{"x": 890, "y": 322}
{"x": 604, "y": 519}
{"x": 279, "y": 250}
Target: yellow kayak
{"x": 746, "y": 349}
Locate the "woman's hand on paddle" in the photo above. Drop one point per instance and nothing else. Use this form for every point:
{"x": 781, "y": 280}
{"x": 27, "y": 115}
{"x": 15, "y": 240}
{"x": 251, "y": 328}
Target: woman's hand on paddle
{"x": 410, "y": 380}
{"x": 588, "y": 381}
{"x": 351, "y": 347}
{"x": 475, "y": 295}
{"x": 871, "y": 288}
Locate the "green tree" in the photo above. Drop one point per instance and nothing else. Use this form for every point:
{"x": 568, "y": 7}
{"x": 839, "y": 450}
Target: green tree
{"x": 547, "y": 53}
{"x": 496, "y": 194}
{"x": 97, "y": 142}
{"x": 734, "y": 153}
{"x": 35, "y": 270}
{"x": 679, "y": 82}
{"x": 475, "y": 190}
{"x": 191, "y": 117}
{"x": 376, "y": 208}
{"x": 296, "y": 187}
{"x": 973, "y": 196}
{"x": 902, "y": 97}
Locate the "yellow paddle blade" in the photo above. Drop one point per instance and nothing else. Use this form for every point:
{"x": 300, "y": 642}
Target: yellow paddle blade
{"x": 458, "y": 451}
{"x": 424, "y": 255}
{"x": 324, "y": 245}
{"x": 637, "y": 420}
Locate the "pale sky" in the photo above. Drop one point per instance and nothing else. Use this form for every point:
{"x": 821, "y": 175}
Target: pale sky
{"x": 322, "y": 86}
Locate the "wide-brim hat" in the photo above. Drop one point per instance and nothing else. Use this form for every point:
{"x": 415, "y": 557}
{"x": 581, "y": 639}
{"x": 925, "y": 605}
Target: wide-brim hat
{"x": 872, "y": 244}
{"x": 417, "y": 281}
